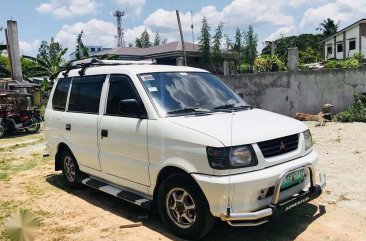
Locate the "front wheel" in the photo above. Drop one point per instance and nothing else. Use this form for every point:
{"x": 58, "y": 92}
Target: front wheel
{"x": 34, "y": 127}
{"x": 183, "y": 207}
{"x": 70, "y": 169}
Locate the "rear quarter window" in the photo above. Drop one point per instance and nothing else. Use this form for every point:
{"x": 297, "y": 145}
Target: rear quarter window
{"x": 60, "y": 95}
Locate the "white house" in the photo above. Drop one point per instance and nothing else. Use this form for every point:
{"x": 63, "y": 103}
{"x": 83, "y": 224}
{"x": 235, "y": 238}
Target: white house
{"x": 92, "y": 49}
{"x": 346, "y": 42}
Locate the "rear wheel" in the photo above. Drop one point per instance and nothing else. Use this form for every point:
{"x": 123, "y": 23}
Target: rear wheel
{"x": 70, "y": 169}
{"x": 183, "y": 207}
{"x": 2, "y": 130}
{"x": 34, "y": 127}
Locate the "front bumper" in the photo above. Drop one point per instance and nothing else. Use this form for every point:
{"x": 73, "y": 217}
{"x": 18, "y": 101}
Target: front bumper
{"x": 277, "y": 208}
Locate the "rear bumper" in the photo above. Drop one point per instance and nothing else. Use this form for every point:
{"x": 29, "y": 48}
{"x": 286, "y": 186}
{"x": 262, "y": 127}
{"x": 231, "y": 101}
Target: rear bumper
{"x": 277, "y": 208}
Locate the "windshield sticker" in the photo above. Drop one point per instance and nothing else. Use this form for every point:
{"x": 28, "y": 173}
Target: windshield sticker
{"x": 147, "y": 77}
{"x": 153, "y": 89}
{"x": 183, "y": 73}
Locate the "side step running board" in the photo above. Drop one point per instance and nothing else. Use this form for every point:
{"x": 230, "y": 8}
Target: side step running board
{"x": 120, "y": 193}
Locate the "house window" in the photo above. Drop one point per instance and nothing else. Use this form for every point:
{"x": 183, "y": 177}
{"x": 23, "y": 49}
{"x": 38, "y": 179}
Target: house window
{"x": 339, "y": 47}
{"x": 99, "y": 49}
{"x": 329, "y": 49}
{"x": 92, "y": 50}
{"x": 352, "y": 44}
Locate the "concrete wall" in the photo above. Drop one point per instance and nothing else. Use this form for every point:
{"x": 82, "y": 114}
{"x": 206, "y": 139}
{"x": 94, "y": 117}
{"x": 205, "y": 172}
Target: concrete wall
{"x": 304, "y": 91}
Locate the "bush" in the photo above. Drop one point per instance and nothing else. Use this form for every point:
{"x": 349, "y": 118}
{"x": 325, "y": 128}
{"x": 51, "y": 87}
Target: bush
{"x": 266, "y": 63}
{"x": 354, "y": 113}
{"x": 339, "y": 64}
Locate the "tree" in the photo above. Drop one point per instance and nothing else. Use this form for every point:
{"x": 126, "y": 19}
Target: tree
{"x": 164, "y": 41}
{"x": 328, "y": 27}
{"x": 302, "y": 42}
{"x": 43, "y": 49}
{"x": 138, "y": 43}
{"x": 130, "y": 45}
{"x": 144, "y": 40}
{"x": 43, "y": 67}
{"x": 237, "y": 49}
{"x": 81, "y": 51}
{"x": 216, "y": 49}
{"x": 205, "y": 39}
{"x": 157, "y": 39}
{"x": 251, "y": 42}
{"x": 4, "y": 66}
{"x": 308, "y": 56}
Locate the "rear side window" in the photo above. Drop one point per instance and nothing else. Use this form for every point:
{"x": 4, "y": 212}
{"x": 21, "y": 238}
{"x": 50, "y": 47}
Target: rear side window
{"x": 60, "y": 94}
{"x": 85, "y": 94}
{"x": 120, "y": 88}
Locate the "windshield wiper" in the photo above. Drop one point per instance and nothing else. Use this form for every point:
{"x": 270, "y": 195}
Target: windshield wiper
{"x": 230, "y": 107}
{"x": 189, "y": 110}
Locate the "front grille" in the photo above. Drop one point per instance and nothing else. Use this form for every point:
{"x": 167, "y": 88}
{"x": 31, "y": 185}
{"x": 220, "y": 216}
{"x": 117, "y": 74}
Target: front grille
{"x": 279, "y": 146}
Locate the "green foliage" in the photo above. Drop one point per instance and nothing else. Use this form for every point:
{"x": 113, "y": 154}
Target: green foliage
{"x": 359, "y": 56}
{"x": 81, "y": 52}
{"x": 251, "y": 43}
{"x": 267, "y": 63}
{"x": 144, "y": 40}
{"x": 309, "y": 56}
{"x": 339, "y": 64}
{"x": 216, "y": 49}
{"x": 4, "y": 66}
{"x": 328, "y": 27}
{"x": 302, "y": 42}
{"x": 356, "y": 112}
{"x": 157, "y": 39}
{"x": 205, "y": 39}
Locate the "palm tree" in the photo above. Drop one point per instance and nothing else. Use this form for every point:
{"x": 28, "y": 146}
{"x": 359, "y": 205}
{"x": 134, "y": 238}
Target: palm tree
{"x": 44, "y": 67}
{"x": 328, "y": 27}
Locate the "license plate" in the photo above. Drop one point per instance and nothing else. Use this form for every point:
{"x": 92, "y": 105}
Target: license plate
{"x": 293, "y": 178}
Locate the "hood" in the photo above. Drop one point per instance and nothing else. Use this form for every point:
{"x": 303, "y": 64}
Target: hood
{"x": 242, "y": 127}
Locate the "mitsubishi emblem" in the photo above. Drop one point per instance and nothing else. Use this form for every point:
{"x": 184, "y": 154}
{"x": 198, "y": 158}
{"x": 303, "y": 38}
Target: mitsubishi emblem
{"x": 282, "y": 146}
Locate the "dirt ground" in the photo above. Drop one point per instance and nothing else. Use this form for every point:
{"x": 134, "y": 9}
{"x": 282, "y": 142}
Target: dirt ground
{"x": 28, "y": 181}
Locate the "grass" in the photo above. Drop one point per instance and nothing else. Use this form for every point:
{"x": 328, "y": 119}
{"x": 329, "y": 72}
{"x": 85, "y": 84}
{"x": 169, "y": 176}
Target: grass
{"x": 21, "y": 145}
{"x": 9, "y": 166}
{"x": 7, "y": 207}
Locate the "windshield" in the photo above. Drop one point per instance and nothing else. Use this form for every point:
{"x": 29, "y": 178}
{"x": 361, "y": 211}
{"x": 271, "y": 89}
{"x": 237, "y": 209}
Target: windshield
{"x": 189, "y": 92}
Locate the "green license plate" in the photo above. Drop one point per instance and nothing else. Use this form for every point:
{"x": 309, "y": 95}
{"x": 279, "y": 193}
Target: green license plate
{"x": 293, "y": 178}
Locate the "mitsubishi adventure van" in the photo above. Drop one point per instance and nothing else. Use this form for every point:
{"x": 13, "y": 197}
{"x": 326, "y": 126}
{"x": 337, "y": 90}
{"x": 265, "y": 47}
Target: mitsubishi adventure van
{"x": 179, "y": 140}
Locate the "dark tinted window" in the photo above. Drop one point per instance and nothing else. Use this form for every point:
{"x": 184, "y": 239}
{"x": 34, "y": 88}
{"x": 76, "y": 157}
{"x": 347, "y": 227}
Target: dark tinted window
{"x": 352, "y": 44}
{"x": 60, "y": 94}
{"x": 120, "y": 88}
{"x": 329, "y": 49}
{"x": 339, "y": 47}
{"x": 85, "y": 94}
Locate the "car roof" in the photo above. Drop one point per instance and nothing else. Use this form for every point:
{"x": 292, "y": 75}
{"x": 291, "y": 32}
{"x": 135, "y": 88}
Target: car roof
{"x": 131, "y": 69}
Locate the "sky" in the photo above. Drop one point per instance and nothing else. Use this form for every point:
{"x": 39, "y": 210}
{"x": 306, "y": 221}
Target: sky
{"x": 64, "y": 19}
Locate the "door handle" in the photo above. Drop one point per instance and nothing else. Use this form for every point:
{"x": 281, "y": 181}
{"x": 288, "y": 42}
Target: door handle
{"x": 104, "y": 133}
{"x": 68, "y": 127}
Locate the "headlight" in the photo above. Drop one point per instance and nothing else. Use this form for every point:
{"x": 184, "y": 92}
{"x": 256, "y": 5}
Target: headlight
{"x": 308, "y": 140}
{"x": 231, "y": 157}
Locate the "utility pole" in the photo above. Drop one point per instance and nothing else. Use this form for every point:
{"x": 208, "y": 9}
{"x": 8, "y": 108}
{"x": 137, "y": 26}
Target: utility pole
{"x": 181, "y": 38}
{"x": 13, "y": 50}
{"x": 192, "y": 29}
{"x": 120, "y": 41}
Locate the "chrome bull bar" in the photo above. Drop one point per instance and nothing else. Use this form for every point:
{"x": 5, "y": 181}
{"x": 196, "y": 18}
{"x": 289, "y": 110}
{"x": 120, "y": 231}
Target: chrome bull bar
{"x": 275, "y": 208}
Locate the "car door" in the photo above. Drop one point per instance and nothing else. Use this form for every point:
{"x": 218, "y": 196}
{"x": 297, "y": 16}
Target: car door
{"x": 82, "y": 119}
{"x": 122, "y": 136}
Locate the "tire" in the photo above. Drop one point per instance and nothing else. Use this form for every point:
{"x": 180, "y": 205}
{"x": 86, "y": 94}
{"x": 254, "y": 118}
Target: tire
{"x": 35, "y": 128}
{"x": 2, "y": 130}
{"x": 179, "y": 196}
{"x": 70, "y": 169}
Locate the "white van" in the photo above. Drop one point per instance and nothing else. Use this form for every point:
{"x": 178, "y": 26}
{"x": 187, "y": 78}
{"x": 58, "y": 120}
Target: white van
{"x": 178, "y": 139}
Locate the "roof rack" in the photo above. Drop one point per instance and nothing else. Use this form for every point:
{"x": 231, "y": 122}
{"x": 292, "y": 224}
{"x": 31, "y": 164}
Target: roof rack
{"x": 86, "y": 63}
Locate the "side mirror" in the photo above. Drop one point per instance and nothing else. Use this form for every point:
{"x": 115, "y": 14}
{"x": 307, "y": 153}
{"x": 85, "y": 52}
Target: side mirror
{"x": 241, "y": 94}
{"x": 130, "y": 107}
